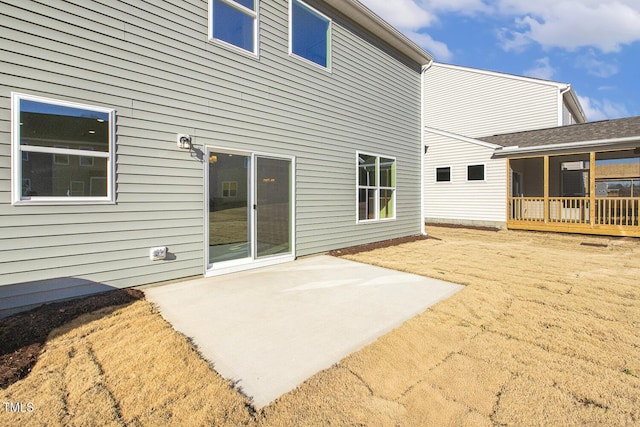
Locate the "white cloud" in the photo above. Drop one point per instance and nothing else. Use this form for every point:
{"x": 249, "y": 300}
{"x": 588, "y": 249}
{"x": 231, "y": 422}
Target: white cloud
{"x": 606, "y": 25}
{"x": 439, "y": 49}
{"x": 596, "y": 67}
{"x": 542, "y": 69}
{"x": 466, "y": 7}
{"x": 603, "y": 24}
{"x": 403, "y": 14}
{"x": 596, "y": 110}
{"x": 412, "y": 19}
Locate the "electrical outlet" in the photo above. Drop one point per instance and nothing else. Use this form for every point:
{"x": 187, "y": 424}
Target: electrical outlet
{"x": 156, "y": 254}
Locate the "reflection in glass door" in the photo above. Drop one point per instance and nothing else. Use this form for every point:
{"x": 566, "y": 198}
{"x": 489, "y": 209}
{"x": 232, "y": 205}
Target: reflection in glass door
{"x": 250, "y": 210}
{"x": 229, "y": 202}
{"x": 273, "y": 206}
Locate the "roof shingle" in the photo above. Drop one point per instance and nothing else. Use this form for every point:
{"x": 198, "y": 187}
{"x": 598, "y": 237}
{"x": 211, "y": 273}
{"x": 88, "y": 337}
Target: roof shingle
{"x": 584, "y": 132}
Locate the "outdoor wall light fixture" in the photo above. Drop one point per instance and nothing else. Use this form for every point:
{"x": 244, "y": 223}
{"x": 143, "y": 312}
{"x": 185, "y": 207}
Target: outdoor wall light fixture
{"x": 184, "y": 141}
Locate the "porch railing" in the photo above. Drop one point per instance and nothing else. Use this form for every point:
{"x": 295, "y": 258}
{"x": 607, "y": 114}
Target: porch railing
{"x": 570, "y": 210}
{"x": 616, "y": 211}
{"x": 620, "y": 211}
{"x": 526, "y": 209}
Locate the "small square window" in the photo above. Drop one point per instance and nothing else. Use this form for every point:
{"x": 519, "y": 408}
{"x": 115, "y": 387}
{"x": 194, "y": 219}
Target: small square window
{"x": 310, "y": 34}
{"x": 475, "y": 173}
{"x": 86, "y": 161}
{"x": 230, "y": 189}
{"x": 443, "y": 174}
{"x": 61, "y": 159}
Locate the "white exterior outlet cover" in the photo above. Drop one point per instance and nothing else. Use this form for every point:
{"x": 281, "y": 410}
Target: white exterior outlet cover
{"x": 159, "y": 253}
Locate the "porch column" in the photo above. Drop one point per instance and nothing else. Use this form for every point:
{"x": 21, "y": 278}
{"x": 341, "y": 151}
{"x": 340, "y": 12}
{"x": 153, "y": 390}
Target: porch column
{"x": 546, "y": 189}
{"x": 592, "y": 188}
{"x": 509, "y": 191}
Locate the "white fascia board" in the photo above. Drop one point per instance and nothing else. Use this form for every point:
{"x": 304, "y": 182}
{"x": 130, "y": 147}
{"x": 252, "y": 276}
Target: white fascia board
{"x": 598, "y": 144}
{"x": 363, "y": 16}
{"x": 462, "y": 138}
{"x": 503, "y": 75}
{"x": 575, "y": 106}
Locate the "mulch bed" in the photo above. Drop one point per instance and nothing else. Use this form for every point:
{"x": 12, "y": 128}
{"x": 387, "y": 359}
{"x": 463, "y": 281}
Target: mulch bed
{"x": 469, "y": 227}
{"x": 378, "y": 245}
{"x": 23, "y": 335}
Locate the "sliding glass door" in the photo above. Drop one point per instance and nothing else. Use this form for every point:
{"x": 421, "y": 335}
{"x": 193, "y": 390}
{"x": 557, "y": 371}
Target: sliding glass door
{"x": 250, "y": 215}
{"x": 229, "y": 207}
{"x": 273, "y": 206}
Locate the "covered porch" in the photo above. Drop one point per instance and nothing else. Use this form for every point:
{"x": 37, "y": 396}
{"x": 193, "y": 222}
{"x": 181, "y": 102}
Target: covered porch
{"x": 590, "y": 192}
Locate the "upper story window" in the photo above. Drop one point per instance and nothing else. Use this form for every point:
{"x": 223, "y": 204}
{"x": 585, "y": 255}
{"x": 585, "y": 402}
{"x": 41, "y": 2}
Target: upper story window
{"x": 62, "y": 152}
{"x": 475, "y": 173}
{"x": 309, "y": 34}
{"x": 235, "y": 22}
{"x": 376, "y": 187}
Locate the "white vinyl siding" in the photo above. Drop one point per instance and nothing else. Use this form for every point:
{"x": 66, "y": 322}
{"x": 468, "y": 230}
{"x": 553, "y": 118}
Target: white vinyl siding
{"x": 463, "y": 201}
{"x": 567, "y": 117}
{"x": 151, "y": 62}
{"x": 474, "y": 104}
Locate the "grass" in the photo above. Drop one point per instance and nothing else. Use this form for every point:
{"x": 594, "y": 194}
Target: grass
{"x": 545, "y": 333}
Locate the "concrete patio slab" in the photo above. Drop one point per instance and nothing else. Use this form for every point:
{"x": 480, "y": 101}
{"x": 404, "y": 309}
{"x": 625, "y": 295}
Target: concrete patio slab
{"x": 270, "y": 329}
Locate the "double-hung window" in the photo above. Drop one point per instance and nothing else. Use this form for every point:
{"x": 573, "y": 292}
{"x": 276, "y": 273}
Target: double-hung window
{"x": 376, "y": 187}
{"x": 235, "y": 22}
{"x": 309, "y": 34}
{"x": 62, "y": 152}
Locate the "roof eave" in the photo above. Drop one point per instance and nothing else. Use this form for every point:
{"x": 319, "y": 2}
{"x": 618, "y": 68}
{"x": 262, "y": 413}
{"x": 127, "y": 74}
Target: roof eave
{"x": 582, "y": 146}
{"x": 575, "y": 105}
{"x": 363, "y": 16}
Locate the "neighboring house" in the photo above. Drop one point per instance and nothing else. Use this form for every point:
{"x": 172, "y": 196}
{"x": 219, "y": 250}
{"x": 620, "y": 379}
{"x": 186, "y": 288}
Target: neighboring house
{"x": 579, "y": 179}
{"x": 235, "y": 133}
{"x": 463, "y": 183}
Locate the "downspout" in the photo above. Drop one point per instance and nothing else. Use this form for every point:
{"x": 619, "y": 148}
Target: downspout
{"x": 422, "y": 146}
{"x": 561, "y": 105}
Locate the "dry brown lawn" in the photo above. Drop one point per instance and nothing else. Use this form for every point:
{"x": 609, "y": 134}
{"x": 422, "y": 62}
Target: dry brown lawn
{"x": 546, "y": 332}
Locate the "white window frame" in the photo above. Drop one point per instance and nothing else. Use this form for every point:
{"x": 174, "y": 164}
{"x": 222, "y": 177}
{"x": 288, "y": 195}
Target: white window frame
{"x": 59, "y": 159}
{"x": 229, "y": 185}
{"x": 435, "y": 178}
{"x": 86, "y": 161}
{"x": 376, "y": 188}
{"x": 329, "y": 41}
{"x": 79, "y": 187}
{"x": 255, "y": 14}
{"x": 17, "y": 151}
{"x": 484, "y": 172}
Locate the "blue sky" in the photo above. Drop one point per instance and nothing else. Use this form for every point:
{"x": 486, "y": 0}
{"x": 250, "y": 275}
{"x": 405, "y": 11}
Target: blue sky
{"x": 592, "y": 44}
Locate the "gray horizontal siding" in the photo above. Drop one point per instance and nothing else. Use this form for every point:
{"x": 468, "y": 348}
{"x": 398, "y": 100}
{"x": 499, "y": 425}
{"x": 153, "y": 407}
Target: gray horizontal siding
{"x": 151, "y": 61}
